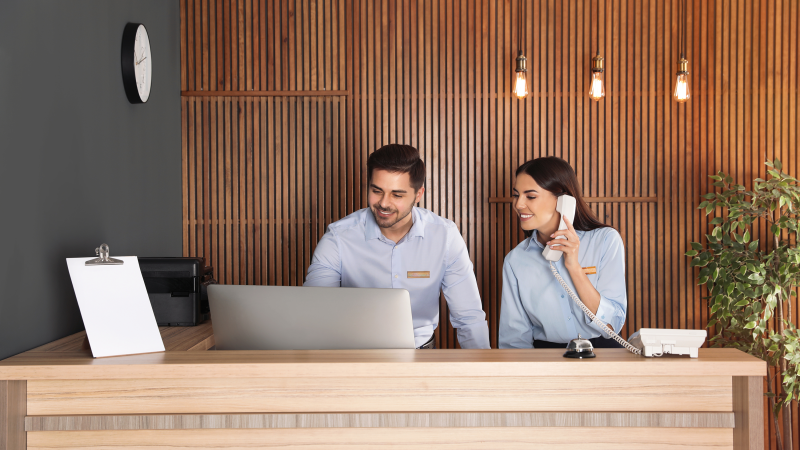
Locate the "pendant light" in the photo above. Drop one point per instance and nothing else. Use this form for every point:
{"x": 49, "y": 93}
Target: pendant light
{"x": 596, "y": 88}
{"x": 682, "y": 83}
{"x": 521, "y": 71}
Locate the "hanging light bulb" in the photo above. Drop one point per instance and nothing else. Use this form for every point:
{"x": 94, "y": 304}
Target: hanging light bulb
{"x": 682, "y": 84}
{"x": 596, "y": 89}
{"x": 520, "y": 77}
{"x": 521, "y": 71}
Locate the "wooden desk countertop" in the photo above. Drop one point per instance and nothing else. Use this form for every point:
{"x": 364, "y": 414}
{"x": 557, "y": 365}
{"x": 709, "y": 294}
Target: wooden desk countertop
{"x": 59, "y": 396}
{"x": 64, "y": 359}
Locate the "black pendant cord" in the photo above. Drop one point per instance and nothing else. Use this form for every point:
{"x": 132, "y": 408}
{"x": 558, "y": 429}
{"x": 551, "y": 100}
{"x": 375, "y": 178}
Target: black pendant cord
{"x": 597, "y": 14}
{"x": 519, "y": 29}
{"x": 682, "y": 31}
{"x": 685, "y": 7}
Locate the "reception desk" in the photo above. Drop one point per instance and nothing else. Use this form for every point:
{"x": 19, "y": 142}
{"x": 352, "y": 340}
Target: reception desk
{"x": 59, "y": 397}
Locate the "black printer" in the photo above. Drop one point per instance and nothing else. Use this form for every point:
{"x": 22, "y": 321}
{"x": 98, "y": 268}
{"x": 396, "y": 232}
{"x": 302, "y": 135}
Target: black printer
{"x": 177, "y": 289}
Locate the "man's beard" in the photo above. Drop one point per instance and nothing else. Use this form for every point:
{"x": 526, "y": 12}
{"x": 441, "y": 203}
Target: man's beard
{"x": 387, "y": 223}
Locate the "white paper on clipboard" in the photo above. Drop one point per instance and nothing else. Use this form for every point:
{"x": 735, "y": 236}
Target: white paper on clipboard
{"x": 115, "y": 308}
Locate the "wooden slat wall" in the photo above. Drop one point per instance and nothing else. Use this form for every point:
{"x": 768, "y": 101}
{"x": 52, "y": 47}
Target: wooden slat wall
{"x": 264, "y": 174}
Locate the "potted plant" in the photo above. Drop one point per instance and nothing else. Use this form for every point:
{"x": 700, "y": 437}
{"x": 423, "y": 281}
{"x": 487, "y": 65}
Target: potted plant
{"x": 751, "y": 284}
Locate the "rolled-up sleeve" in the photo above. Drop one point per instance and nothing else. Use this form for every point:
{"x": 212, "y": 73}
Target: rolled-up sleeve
{"x": 326, "y": 264}
{"x": 611, "y": 284}
{"x": 460, "y": 289}
{"x": 516, "y": 329}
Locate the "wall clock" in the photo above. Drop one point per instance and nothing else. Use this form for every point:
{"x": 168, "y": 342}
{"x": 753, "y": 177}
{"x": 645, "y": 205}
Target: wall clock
{"x": 137, "y": 63}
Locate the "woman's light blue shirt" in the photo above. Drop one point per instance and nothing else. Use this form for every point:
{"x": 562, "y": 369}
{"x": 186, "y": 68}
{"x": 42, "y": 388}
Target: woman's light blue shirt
{"x": 534, "y": 304}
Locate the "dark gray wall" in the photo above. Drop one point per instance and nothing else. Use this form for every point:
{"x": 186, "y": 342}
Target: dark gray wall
{"x": 79, "y": 165}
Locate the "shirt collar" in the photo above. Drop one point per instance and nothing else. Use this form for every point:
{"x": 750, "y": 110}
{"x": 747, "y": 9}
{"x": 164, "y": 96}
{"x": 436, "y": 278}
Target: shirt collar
{"x": 534, "y": 240}
{"x": 418, "y": 227}
{"x": 373, "y": 231}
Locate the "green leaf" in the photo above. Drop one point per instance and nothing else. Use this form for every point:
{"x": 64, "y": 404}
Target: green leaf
{"x": 741, "y": 303}
{"x": 778, "y": 164}
{"x": 746, "y": 236}
{"x": 754, "y": 245}
{"x": 691, "y": 253}
{"x": 750, "y": 325}
{"x": 696, "y": 246}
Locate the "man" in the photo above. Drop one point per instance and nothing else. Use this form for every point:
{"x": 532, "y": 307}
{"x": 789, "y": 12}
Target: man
{"x": 394, "y": 244}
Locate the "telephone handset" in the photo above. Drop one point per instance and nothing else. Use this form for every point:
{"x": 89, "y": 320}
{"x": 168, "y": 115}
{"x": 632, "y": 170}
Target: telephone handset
{"x": 565, "y": 206}
{"x": 653, "y": 341}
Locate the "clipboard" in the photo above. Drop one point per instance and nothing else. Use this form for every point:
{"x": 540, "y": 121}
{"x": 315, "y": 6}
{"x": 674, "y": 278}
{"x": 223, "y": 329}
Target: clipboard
{"x": 114, "y": 305}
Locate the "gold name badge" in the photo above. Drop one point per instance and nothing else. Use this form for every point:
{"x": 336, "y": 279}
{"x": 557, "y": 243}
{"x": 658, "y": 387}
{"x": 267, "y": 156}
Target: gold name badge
{"x": 589, "y": 270}
{"x": 419, "y": 274}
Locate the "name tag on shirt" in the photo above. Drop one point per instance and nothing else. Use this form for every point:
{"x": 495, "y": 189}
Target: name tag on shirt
{"x": 419, "y": 274}
{"x": 589, "y": 270}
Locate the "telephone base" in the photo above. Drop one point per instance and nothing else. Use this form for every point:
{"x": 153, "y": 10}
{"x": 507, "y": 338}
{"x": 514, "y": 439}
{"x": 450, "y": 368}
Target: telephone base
{"x": 659, "y": 341}
{"x": 652, "y": 350}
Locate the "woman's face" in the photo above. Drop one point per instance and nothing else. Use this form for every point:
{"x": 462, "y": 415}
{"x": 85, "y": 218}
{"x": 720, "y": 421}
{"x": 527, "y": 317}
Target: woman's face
{"x": 535, "y": 206}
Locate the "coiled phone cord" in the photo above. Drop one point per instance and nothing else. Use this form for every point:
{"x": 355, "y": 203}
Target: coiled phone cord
{"x": 589, "y": 313}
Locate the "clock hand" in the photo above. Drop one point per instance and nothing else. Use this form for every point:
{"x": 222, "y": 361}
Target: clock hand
{"x": 137, "y": 62}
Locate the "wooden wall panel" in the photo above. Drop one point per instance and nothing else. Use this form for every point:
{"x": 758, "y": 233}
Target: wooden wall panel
{"x": 284, "y": 100}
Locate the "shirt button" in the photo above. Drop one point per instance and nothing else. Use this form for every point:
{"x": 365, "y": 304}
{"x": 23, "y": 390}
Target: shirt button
{"x": 395, "y": 276}
{"x": 562, "y": 296}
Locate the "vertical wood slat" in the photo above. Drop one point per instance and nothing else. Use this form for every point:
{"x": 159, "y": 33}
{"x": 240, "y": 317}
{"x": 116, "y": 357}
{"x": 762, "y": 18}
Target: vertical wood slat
{"x": 437, "y": 75}
{"x": 13, "y": 409}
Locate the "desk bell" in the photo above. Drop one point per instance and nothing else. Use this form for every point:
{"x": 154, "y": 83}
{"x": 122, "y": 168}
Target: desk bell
{"x": 579, "y": 348}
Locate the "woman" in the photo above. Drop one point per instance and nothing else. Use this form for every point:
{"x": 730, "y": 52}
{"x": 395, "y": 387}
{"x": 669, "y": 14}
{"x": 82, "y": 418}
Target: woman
{"x": 536, "y": 311}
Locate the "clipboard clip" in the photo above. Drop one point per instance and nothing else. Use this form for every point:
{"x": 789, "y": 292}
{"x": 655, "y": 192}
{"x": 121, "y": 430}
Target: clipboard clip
{"x": 104, "y": 259}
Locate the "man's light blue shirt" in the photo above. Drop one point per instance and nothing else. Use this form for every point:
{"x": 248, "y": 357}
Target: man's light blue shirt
{"x": 354, "y": 253}
{"x": 534, "y": 304}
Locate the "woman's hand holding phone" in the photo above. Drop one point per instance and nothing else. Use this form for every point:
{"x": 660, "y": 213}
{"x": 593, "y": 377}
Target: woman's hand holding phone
{"x": 569, "y": 246}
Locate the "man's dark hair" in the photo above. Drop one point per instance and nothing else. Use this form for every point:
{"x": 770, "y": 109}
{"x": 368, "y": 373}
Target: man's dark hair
{"x": 398, "y": 158}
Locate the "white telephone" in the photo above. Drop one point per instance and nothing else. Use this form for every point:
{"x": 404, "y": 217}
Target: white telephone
{"x": 647, "y": 341}
{"x": 565, "y": 206}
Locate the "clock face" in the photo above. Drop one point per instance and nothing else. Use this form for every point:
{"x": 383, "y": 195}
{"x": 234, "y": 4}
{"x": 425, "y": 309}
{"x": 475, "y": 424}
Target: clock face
{"x": 142, "y": 63}
{"x": 137, "y": 63}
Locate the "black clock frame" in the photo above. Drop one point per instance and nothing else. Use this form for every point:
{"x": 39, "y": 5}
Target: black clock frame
{"x": 128, "y": 66}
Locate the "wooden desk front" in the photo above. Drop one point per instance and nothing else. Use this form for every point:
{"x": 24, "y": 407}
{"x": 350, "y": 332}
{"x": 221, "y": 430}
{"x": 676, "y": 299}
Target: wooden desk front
{"x": 389, "y": 399}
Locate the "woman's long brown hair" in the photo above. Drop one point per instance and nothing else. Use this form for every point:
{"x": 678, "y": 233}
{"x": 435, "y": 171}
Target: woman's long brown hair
{"x": 556, "y": 176}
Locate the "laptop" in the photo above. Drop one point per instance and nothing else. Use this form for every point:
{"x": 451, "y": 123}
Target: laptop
{"x": 310, "y": 318}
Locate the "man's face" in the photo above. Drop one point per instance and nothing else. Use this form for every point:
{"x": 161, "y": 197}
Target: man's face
{"x": 391, "y": 197}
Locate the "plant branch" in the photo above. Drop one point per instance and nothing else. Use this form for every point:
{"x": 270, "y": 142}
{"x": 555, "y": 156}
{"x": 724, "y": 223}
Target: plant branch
{"x": 772, "y": 408}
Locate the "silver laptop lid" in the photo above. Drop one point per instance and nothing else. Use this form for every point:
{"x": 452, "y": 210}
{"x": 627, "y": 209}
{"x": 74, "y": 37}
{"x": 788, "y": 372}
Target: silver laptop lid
{"x": 310, "y": 318}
